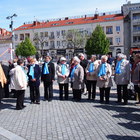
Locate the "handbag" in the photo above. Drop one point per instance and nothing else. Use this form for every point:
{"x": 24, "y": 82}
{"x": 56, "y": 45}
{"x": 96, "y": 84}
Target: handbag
{"x": 131, "y": 93}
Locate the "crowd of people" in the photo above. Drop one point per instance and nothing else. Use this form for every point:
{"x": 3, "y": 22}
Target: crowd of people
{"x": 83, "y": 76}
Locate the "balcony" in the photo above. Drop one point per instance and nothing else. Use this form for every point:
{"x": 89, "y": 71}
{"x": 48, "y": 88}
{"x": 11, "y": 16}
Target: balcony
{"x": 136, "y": 43}
{"x": 52, "y": 47}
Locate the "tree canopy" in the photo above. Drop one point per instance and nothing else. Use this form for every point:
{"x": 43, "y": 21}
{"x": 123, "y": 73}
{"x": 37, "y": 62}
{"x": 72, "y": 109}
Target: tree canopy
{"x": 97, "y": 43}
{"x": 25, "y": 48}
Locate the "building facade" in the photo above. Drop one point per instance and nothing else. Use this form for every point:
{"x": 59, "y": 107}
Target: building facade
{"x": 131, "y": 27}
{"x": 5, "y": 45}
{"x": 68, "y": 36}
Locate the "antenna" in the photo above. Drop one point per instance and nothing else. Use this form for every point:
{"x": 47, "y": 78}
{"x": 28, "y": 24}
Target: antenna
{"x": 96, "y": 11}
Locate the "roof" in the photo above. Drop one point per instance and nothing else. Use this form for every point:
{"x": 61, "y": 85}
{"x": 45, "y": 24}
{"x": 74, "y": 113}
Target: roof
{"x": 5, "y": 35}
{"x": 67, "y": 22}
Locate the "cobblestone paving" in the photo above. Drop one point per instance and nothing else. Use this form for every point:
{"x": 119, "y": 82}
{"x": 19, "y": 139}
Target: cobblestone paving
{"x": 68, "y": 120}
{"x": 3, "y": 138}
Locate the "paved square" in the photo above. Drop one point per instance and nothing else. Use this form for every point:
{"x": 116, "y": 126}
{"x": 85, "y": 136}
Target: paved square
{"x": 68, "y": 120}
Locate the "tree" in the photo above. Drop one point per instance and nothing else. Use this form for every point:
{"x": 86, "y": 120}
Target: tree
{"x": 97, "y": 43}
{"x": 74, "y": 38}
{"x": 40, "y": 40}
{"x": 25, "y": 48}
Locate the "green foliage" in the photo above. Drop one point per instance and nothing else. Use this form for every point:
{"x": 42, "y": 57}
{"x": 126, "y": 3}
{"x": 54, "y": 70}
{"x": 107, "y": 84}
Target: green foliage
{"x": 75, "y": 38}
{"x": 25, "y": 48}
{"x": 97, "y": 43}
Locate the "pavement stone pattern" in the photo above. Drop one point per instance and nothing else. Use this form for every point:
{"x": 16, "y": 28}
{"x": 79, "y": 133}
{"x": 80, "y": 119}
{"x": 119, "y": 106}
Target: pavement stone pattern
{"x": 69, "y": 120}
{"x": 3, "y": 138}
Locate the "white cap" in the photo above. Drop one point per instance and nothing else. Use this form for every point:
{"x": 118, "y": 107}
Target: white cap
{"x": 62, "y": 59}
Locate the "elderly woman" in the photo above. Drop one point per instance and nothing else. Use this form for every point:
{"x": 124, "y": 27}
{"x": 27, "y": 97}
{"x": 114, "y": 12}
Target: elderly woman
{"x": 104, "y": 81}
{"x": 20, "y": 83}
{"x": 48, "y": 76}
{"x": 34, "y": 74}
{"x": 122, "y": 77}
{"x": 62, "y": 72}
{"x": 77, "y": 77}
{"x": 91, "y": 76}
{"x": 136, "y": 75}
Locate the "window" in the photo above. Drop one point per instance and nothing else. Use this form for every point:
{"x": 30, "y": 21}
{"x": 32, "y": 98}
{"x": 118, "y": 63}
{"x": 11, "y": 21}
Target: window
{"x": 58, "y": 43}
{"x": 27, "y": 35}
{"x": 118, "y": 40}
{"x": 58, "y": 33}
{"x": 109, "y": 30}
{"x": 52, "y": 44}
{"x": 110, "y": 40}
{"x": 63, "y": 32}
{"x": 21, "y": 36}
{"x": 46, "y": 44}
{"x": 46, "y": 34}
{"x": 51, "y": 35}
{"x": 118, "y": 28}
{"x": 41, "y": 34}
{"x": 16, "y": 37}
{"x": 63, "y": 43}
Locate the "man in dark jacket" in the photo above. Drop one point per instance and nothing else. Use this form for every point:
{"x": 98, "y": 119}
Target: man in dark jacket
{"x": 83, "y": 63}
{"x": 48, "y": 76}
{"x": 34, "y": 73}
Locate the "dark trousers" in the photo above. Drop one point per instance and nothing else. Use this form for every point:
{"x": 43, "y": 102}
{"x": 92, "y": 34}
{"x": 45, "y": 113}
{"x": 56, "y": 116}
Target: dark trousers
{"x": 91, "y": 88}
{"x": 104, "y": 92}
{"x": 14, "y": 92}
{"x": 48, "y": 90}
{"x": 6, "y": 90}
{"x": 20, "y": 99}
{"x": 34, "y": 93}
{"x": 137, "y": 90}
{"x": 77, "y": 94}
{"x": 66, "y": 92}
{"x": 122, "y": 93}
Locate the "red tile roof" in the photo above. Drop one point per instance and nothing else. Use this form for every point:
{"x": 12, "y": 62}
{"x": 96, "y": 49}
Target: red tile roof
{"x": 5, "y": 35}
{"x": 66, "y": 22}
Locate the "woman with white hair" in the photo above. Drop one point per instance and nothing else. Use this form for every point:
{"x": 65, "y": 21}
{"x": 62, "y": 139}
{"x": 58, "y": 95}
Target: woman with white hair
{"x": 62, "y": 71}
{"x": 122, "y": 77}
{"x": 91, "y": 76}
{"x": 104, "y": 81}
{"x": 77, "y": 77}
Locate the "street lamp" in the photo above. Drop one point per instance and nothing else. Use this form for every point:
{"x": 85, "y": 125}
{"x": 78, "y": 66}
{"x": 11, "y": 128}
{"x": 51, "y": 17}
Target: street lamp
{"x": 11, "y": 17}
{"x": 11, "y": 27}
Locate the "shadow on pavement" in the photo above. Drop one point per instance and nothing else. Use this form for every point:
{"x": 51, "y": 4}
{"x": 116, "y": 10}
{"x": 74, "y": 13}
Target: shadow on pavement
{"x": 6, "y": 106}
{"x": 116, "y": 137}
{"x": 128, "y": 113}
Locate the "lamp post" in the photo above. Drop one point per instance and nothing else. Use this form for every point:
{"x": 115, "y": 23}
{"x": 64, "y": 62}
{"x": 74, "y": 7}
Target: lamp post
{"x": 11, "y": 17}
{"x": 11, "y": 27}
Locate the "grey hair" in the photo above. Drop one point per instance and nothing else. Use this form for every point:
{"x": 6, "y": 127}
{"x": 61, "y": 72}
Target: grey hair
{"x": 104, "y": 57}
{"x": 81, "y": 54}
{"x": 93, "y": 56}
{"x": 120, "y": 55}
{"x": 75, "y": 58}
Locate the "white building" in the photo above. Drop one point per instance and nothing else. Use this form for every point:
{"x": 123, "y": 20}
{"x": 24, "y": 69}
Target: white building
{"x": 53, "y": 35}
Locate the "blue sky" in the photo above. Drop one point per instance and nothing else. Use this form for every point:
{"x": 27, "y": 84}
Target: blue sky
{"x": 29, "y": 10}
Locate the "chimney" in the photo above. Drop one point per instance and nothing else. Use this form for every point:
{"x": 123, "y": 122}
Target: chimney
{"x": 66, "y": 18}
{"x": 35, "y": 23}
{"x": 96, "y": 16}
